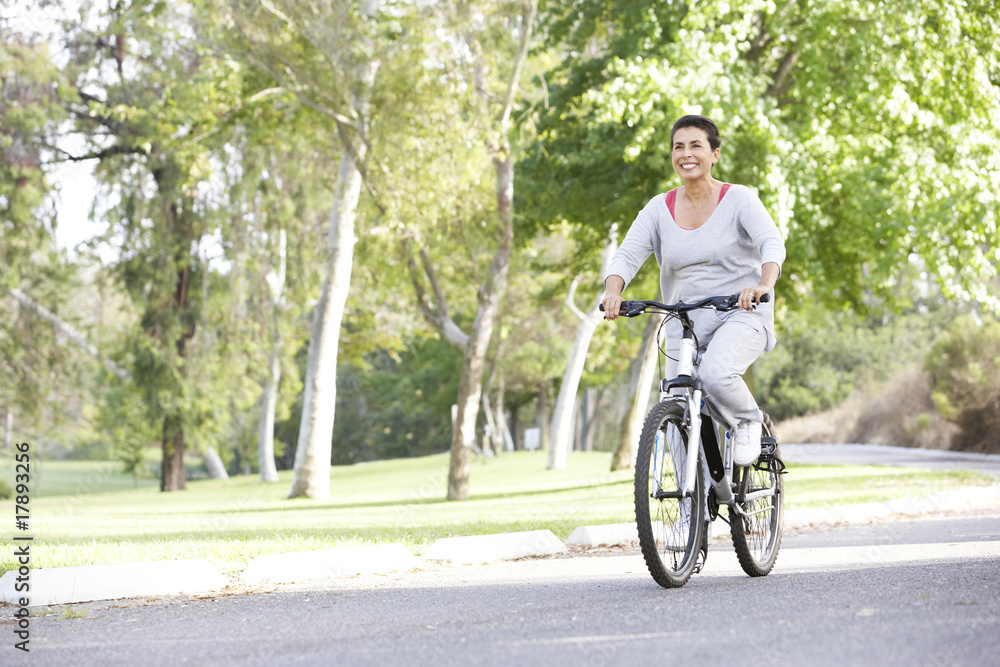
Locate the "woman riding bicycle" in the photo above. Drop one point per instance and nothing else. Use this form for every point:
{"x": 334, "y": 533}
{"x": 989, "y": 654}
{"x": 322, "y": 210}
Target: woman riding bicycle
{"x": 710, "y": 238}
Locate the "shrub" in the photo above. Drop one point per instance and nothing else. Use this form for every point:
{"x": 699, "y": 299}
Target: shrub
{"x": 5, "y": 490}
{"x": 964, "y": 363}
{"x": 822, "y": 358}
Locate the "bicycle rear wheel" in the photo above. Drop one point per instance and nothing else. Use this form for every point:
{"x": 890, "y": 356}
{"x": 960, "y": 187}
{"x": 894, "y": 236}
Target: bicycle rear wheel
{"x": 757, "y": 536}
{"x": 670, "y": 526}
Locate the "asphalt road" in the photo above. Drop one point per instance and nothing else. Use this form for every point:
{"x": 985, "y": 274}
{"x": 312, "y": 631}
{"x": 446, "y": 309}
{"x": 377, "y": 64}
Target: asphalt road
{"x": 891, "y": 456}
{"x": 910, "y": 593}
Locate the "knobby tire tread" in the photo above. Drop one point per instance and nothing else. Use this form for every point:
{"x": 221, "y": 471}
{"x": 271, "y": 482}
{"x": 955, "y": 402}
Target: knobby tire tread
{"x": 746, "y": 546}
{"x": 665, "y": 573}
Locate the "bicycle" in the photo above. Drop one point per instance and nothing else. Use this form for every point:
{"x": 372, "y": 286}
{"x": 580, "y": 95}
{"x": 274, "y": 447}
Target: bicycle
{"x": 670, "y": 501}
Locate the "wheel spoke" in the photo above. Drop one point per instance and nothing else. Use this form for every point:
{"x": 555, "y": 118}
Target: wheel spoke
{"x": 757, "y": 533}
{"x": 669, "y": 523}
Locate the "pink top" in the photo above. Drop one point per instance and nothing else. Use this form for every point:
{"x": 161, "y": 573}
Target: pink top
{"x": 672, "y": 198}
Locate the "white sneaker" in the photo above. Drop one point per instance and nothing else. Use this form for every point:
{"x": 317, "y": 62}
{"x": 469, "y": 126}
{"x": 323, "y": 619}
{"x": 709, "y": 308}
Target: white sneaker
{"x": 746, "y": 446}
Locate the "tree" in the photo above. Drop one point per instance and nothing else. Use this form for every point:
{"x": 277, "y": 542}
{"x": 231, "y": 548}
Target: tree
{"x": 839, "y": 113}
{"x": 149, "y": 99}
{"x": 862, "y": 158}
{"x": 328, "y": 55}
{"x": 478, "y": 30}
{"x": 39, "y": 369}
{"x": 562, "y": 418}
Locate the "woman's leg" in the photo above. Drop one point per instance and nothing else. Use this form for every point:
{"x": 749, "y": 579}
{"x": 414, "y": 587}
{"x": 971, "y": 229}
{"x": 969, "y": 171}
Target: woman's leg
{"x": 735, "y": 345}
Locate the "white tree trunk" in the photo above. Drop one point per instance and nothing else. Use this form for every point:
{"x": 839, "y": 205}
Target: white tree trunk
{"x": 213, "y": 463}
{"x": 311, "y": 477}
{"x": 562, "y": 416}
{"x": 265, "y": 427}
{"x": 470, "y": 386}
{"x": 269, "y": 399}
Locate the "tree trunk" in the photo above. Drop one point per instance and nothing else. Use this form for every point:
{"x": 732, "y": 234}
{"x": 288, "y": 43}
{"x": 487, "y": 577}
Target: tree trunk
{"x": 642, "y": 372}
{"x": 265, "y": 427}
{"x": 562, "y": 418}
{"x": 180, "y": 235}
{"x": 311, "y": 478}
{"x": 517, "y": 443}
{"x": 474, "y": 360}
{"x": 490, "y": 441}
{"x": 542, "y": 417}
{"x": 505, "y": 441}
{"x": 213, "y": 463}
{"x": 172, "y": 476}
{"x": 589, "y": 411}
{"x": 269, "y": 399}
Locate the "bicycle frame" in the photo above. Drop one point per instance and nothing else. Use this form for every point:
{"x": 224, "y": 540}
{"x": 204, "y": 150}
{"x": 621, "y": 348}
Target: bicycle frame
{"x": 718, "y": 459}
{"x": 694, "y": 400}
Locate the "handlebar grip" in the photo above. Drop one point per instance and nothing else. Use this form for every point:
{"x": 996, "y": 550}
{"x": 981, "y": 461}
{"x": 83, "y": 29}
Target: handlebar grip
{"x": 765, "y": 298}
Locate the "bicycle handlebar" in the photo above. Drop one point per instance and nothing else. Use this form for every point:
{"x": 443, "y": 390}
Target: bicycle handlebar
{"x": 723, "y": 303}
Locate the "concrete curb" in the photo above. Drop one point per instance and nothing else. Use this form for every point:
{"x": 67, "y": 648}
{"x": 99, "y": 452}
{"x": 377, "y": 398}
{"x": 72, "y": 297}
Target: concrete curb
{"x": 299, "y": 566}
{"x": 477, "y": 549}
{"x": 84, "y": 583}
{"x": 607, "y": 535}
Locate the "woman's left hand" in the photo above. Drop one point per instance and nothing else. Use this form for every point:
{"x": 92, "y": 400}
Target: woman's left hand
{"x": 750, "y": 296}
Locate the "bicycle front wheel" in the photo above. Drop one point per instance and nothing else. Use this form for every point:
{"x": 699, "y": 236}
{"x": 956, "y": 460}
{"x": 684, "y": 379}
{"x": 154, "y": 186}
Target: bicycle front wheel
{"x": 757, "y": 536}
{"x": 670, "y": 524}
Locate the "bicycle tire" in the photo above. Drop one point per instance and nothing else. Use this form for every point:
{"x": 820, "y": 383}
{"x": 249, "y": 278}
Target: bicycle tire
{"x": 757, "y": 538}
{"x": 669, "y": 547}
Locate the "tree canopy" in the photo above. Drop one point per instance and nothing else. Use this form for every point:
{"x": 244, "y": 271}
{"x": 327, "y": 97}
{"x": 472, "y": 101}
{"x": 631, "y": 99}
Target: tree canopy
{"x": 467, "y": 160}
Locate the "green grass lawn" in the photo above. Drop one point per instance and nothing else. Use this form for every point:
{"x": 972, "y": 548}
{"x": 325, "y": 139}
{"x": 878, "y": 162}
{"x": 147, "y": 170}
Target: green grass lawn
{"x": 87, "y": 512}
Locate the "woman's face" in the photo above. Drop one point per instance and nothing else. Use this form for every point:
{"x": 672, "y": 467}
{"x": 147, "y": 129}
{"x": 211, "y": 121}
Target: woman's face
{"x": 693, "y": 157}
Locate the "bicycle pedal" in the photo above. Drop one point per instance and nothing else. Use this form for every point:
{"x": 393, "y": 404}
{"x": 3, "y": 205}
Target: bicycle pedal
{"x": 771, "y": 464}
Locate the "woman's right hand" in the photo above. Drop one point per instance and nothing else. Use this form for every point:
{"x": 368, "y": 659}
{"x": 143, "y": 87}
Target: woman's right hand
{"x": 612, "y": 300}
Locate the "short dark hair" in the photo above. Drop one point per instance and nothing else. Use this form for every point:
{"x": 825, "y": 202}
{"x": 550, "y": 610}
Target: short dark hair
{"x": 702, "y": 123}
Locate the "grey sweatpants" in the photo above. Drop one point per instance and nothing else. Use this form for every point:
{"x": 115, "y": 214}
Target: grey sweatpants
{"x": 728, "y": 344}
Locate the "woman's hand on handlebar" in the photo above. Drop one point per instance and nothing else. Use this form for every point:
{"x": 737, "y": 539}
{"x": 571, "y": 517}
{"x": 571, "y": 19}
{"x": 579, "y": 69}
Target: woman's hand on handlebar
{"x": 612, "y": 301}
{"x": 750, "y": 296}
{"x": 612, "y": 306}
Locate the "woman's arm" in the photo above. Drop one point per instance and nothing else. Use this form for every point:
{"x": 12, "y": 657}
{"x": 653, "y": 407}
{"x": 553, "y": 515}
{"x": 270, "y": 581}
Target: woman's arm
{"x": 749, "y": 296}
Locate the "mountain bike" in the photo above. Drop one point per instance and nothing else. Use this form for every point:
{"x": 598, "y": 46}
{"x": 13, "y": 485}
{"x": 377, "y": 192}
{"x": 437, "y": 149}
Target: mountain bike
{"x": 681, "y": 450}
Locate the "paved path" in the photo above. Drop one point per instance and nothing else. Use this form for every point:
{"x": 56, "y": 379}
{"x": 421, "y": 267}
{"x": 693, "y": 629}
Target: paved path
{"x": 891, "y": 456}
{"x": 921, "y": 592}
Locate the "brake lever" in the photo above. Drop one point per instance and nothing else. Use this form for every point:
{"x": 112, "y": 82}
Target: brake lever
{"x": 635, "y": 310}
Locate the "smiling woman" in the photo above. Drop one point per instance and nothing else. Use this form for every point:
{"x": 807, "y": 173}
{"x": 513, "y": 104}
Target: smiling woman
{"x": 710, "y": 238}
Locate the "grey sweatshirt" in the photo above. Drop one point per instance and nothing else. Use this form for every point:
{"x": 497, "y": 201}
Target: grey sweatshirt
{"x": 721, "y": 257}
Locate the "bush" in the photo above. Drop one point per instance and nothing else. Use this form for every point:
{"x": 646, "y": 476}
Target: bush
{"x": 964, "y": 363}
{"x": 5, "y": 490}
{"x": 822, "y": 358}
